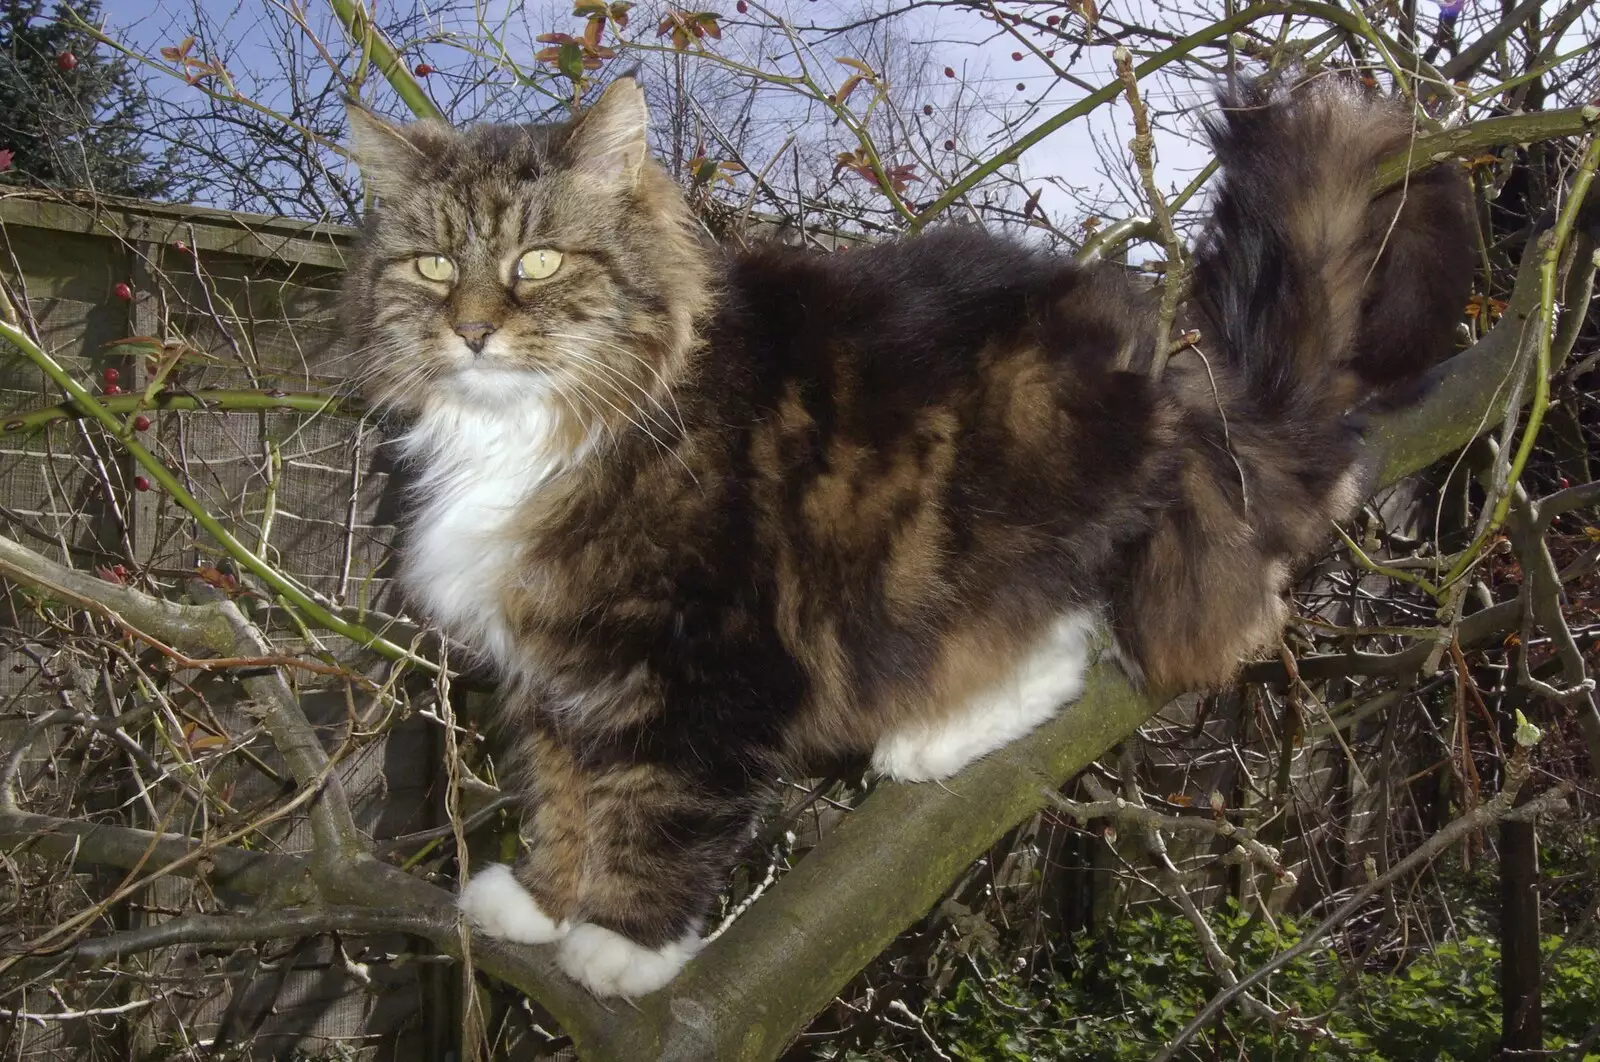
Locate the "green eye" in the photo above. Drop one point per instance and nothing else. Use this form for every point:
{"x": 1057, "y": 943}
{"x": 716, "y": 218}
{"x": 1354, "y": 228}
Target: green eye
{"x": 538, "y": 263}
{"x": 436, "y": 267}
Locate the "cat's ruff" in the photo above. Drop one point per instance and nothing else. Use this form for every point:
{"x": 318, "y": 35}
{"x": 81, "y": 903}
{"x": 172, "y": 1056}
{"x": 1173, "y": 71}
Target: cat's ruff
{"x": 479, "y": 461}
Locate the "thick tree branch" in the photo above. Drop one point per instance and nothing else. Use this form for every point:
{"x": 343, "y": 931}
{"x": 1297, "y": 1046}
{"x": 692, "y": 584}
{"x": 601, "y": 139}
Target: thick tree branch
{"x": 223, "y": 867}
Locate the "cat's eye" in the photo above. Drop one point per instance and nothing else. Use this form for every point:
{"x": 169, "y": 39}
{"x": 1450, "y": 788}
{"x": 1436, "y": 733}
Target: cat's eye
{"x": 538, "y": 263}
{"x": 436, "y": 267}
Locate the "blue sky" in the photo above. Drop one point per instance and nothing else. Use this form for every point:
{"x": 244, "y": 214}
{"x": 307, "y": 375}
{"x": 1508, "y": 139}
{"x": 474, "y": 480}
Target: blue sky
{"x": 253, "y": 34}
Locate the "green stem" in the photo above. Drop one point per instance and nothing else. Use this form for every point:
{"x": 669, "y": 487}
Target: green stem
{"x": 376, "y": 46}
{"x": 1193, "y": 186}
{"x": 1382, "y": 569}
{"x": 1488, "y": 133}
{"x": 269, "y": 401}
{"x": 1536, "y": 72}
{"x": 1555, "y": 242}
{"x": 158, "y": 471}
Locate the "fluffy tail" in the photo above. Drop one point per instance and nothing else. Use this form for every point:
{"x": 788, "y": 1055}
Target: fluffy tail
{"x": 1310, "y": 294}
{"x": 1306, "y": 280}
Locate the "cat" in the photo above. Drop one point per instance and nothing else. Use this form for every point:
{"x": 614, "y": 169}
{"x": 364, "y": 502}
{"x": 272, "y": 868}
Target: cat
{"x": 710, "y": 515}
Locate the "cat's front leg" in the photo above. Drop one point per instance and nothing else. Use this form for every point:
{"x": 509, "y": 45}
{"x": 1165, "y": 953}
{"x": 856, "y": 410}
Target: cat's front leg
{"x": 627, "y": 849}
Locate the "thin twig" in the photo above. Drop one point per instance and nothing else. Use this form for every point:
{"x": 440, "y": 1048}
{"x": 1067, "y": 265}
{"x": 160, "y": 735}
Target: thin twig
{"x": 1142, "y": 145}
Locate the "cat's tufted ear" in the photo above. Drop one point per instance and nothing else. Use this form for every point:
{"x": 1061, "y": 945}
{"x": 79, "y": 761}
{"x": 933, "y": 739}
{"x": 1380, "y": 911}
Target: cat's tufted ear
{"x": 388, "y": 154}
{"x": 609, "y": 141}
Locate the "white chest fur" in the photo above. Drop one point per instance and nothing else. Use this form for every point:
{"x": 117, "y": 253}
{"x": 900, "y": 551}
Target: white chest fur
{"x": 480, "y": 456}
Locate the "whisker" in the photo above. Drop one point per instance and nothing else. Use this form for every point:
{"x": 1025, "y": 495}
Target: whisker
{"x": 667, "y": 419}
{"x": 578, "y": 363}
{"x": 577, "y": 392}
{"x": 662, "y": 380}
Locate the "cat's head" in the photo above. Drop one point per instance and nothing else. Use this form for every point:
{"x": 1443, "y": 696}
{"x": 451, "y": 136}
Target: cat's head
{"x": 506, "y": 262}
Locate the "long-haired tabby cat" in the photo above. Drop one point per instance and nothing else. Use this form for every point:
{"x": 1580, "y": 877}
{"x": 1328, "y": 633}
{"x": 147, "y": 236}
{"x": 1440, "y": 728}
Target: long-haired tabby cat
{"x": 714, "y": 514}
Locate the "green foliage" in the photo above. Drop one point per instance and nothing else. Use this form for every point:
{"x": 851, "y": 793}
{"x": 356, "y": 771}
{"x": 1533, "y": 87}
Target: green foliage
{"x": 72, "y": 114}
{"x": 1120, "y": 1000}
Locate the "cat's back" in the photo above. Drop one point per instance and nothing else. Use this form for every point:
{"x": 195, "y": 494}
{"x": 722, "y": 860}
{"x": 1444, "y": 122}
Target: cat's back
{"x": 926, "y": 306}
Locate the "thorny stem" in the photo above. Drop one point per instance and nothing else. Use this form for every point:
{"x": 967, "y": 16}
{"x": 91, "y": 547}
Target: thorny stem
{"x": 298, "y": 598}
{"x": 1487, "y": 133}
{"x": 1382, "y": 569}
{"x": 206, "y": 399}
{"x": 358, "y": 24}
{"x": 1108, "y": 806}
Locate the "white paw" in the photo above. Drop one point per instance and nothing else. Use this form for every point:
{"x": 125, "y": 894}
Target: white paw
{"x": 609, "y": 964}
{"x": 922, "y": 754}
{"x": 501, "y": 907}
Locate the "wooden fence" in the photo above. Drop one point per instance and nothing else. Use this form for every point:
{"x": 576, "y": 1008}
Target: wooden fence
{"x": 248, "y": 303}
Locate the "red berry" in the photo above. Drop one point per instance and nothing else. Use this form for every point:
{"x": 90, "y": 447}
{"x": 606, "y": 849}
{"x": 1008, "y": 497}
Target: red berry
{"x": 67, "y": 61}
{"x": 423, "y": 70}
{"x": 1053, "y": 20}
{"x": 110, "y": 376}
{"x": 1016, "y": 57}
{"x": 141, "y": 423}
{"x": 927, "y": 108}
{"x": 1021, "y": 87}
{"x": 123, "y": 292}
{"x": 1565, "y": 482}
{"x": 140, "y": 483}
{"x": 742, "y": 7}
{"x": 949, "y": 145}
{"x": 113, "y": 389}
{"x": 949, "y": 72}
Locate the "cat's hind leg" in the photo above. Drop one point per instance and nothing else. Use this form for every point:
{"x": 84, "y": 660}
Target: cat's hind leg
{"x": 1048, "y": 675}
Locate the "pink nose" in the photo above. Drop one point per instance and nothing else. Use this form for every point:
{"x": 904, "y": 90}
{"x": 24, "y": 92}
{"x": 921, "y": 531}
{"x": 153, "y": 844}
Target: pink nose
{"x": 475, "y": 333}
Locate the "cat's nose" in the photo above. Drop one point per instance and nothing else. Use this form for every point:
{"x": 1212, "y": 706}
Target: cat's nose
{"x": 475, "y": 333}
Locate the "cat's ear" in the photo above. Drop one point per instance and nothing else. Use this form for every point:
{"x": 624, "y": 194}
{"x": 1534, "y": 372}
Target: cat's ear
{"x": 388, "y": 154}
{"x": 609, "y": 141}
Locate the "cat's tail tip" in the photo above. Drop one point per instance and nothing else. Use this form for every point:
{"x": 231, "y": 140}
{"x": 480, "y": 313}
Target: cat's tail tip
{"x": 1318, "y": 286}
